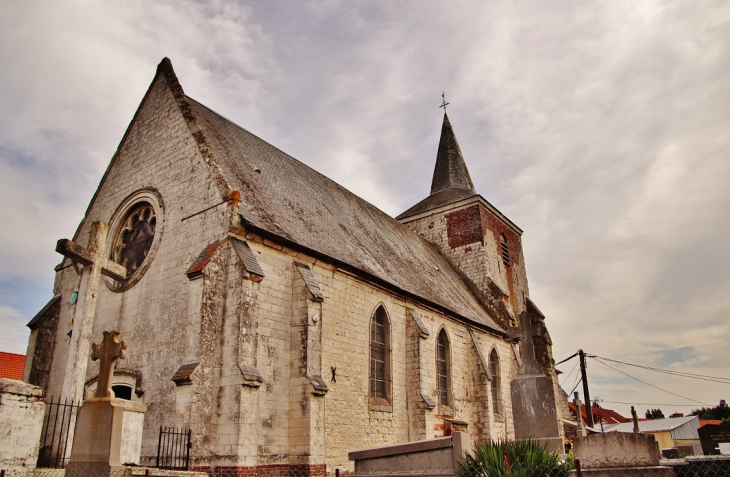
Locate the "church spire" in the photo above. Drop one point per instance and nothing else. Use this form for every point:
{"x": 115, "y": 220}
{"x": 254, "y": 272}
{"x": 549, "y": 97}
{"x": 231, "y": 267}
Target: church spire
{"x": 450, "y": 171}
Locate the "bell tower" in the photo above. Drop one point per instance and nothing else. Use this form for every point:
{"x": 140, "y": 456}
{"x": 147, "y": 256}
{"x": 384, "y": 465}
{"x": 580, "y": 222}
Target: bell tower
{"x": 478, "y": 239}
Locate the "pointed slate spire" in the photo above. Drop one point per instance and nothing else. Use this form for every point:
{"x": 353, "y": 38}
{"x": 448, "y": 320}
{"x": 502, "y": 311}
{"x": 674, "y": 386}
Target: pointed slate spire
{"x": 450, "y": 171}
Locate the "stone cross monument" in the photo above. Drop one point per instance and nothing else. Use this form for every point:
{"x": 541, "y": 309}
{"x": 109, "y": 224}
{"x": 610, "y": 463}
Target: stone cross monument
{"x": 533, "y": 395}
{"x": 95, "y": 265}
{"x": 635, "y": 419}
{"x": 107, "y": 352}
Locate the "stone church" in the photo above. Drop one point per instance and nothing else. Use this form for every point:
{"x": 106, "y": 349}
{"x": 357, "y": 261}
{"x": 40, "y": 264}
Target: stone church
{"x": 282, "y": 319}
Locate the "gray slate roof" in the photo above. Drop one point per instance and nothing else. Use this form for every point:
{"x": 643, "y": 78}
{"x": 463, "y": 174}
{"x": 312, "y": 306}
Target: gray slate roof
{"x": 296, "y": 203}
{"x": 450, "y": 171}
{"x": 33, "y": 323}
{"x": 451, "y": 180}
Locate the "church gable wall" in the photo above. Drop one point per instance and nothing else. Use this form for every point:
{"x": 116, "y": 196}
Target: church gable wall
{"x": 470, "y": 236}
{"x": 158, "y": 152}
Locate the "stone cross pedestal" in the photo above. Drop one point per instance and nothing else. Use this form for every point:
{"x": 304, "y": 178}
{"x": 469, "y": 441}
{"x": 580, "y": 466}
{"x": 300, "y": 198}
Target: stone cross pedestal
{"x": 581, "y": 431}
{"x": 532, "y": 392}
{"x": 105, "y": 425}
{"x": 95, "y": 265}
{"x": 635, "y": 419}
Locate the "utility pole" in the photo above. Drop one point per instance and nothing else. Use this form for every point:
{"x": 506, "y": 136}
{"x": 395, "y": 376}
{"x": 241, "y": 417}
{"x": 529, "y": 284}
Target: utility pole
{"x": 589, "y": 408}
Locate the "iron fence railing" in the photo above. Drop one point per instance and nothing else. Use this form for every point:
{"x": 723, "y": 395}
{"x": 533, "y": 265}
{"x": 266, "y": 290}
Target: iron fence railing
{"x": 173, "y": 449}
{"x": 60, "y": 418}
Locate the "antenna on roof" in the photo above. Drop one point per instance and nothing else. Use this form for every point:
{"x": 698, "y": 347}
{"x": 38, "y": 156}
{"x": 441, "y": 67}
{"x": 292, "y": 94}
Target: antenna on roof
{"x": 443, "y": 102}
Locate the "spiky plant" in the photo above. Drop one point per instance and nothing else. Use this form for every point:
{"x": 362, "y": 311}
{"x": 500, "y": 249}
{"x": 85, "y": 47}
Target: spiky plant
{"x": 513, "y": 459}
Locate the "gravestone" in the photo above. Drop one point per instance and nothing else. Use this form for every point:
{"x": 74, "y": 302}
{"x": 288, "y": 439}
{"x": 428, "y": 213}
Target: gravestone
{"x": 714, "y": 437}
{"x": 105, "y": 424}
{"x": 532, "y": 392}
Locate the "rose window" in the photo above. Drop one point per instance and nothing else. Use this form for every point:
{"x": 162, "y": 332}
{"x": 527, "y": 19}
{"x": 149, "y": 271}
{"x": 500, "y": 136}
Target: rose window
{"x": 135, "y": 237}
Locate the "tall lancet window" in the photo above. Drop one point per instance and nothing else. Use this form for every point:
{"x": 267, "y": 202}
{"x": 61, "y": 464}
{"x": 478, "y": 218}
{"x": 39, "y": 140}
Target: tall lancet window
{"x": 496, "y": 383}
{"x": 443, "y": 367}
{"x": 380, "y": 355}
{"x": 505, "y": 249}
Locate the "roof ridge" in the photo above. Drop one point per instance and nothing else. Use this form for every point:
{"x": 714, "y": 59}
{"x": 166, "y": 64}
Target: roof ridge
{"x": 204, "y": 147}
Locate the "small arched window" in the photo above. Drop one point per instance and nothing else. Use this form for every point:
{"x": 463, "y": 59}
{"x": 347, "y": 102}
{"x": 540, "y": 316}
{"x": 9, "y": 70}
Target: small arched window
{"x": 443, "y": 368}
{"x": 505, "y": 249}
{"x": 122, "y": 391}
{"x": 496, "y": 383}
{"x": 380, "y": 355}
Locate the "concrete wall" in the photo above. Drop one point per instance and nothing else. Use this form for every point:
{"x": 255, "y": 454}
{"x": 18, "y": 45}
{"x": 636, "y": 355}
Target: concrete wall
{"x": 21, "y": 419}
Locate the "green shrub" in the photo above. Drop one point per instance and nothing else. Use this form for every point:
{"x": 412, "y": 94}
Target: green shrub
{"x": 523, "y": 459}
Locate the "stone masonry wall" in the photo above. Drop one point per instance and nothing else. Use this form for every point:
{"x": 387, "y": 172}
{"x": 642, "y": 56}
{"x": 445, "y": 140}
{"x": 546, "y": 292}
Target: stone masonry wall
{"x": 349, "y": 421}
{"x": 41, "y": 346}
{"x": 153, "y": 316}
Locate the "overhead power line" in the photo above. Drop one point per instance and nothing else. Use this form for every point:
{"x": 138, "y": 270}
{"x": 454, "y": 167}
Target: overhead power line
{"x": 570, "y": 373}
{"x": 10, "y": 340}
{"x": 576, "y": 385}
{"x": 647, "y": 404}
{"x": 15, "y": 335}
{"x": 649, "y": 384}
{"x": 702, "y": 377}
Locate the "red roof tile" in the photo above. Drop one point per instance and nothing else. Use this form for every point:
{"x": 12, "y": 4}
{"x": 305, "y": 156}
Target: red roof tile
{"x": 705, "y": 422}
{"x": 11, "y": 365}
{"x": 196, "y": 269}
{"x": 608, "y": 416}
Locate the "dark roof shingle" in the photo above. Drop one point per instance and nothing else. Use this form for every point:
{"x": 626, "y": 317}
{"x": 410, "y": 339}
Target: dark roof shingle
{"x": 288, "y": 199}
{"x": 450, "y": 171}
{"x": 33, "y": 323}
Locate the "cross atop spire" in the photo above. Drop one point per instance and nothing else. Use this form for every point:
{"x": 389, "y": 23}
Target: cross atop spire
{"x": 443, "y": 101}
{"x": 450, "y": 171}
{"x": 451, "y": 181}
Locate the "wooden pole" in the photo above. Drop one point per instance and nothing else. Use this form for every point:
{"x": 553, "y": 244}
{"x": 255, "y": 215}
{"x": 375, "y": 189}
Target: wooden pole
{"x": 589, "y": 409}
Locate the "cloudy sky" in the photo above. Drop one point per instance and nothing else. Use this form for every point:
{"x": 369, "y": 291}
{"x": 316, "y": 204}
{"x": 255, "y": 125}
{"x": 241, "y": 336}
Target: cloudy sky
{"x": 601, "y": 128}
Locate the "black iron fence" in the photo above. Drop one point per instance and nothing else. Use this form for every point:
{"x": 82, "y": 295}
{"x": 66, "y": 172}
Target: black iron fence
{"x": 60, "y": 418}
{"x": 173, "y": 449}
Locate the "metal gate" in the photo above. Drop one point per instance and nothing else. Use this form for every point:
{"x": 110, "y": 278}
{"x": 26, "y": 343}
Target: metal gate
{"x": 173, "y": 449}
{"x": 59, "y": 420}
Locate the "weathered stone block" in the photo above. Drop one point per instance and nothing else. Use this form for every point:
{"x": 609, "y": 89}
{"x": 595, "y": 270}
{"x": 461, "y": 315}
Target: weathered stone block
{"x": 21, "y": 419}
{"x": 107, "y": 431}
